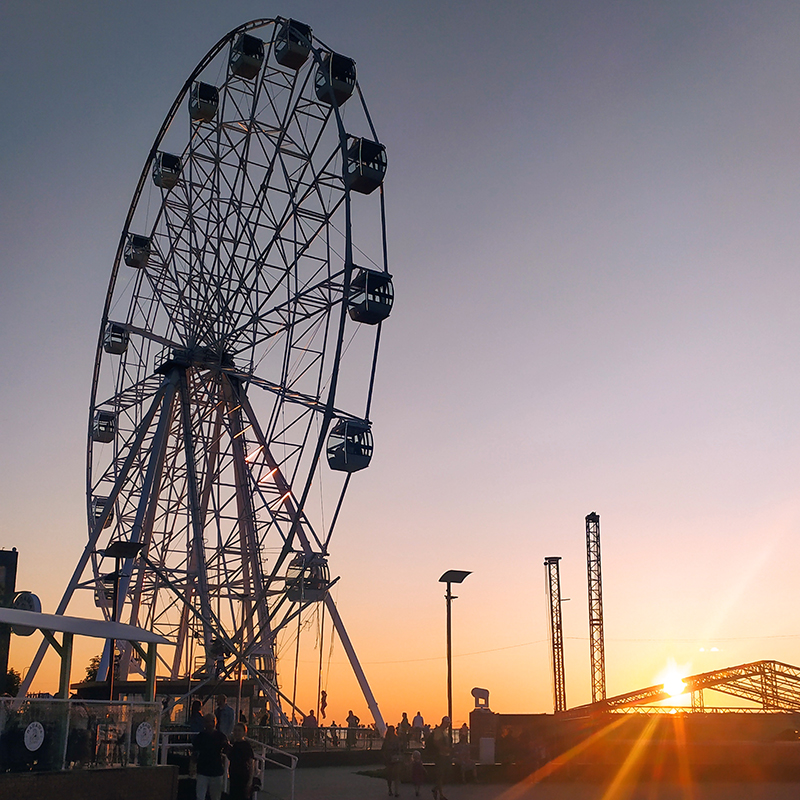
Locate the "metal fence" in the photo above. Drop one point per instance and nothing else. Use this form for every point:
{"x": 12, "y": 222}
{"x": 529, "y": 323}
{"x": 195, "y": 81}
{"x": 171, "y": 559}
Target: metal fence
{"x": 50, "y": 734}
{"x": 298, "y": 739}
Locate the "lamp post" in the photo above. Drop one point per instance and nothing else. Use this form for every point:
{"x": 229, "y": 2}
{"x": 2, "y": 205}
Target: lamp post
{"x": 450, "y": 577}
{"x": 119, "y": 551}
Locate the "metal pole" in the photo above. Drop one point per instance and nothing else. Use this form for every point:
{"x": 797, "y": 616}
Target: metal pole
{"x": 449, "y": 598}
{"x": 118, "y": 563}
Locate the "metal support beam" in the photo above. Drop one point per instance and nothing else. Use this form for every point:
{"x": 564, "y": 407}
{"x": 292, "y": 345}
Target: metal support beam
{"x": 150, "y": 673}
{"x": 8, "y": 583}
{"x": 355, "y": 665}
{"x": 66, "y": 667}
{"x": 96, "y": 530}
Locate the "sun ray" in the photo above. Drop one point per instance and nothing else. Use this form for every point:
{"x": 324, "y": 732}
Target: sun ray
{"x": 618, "y": 788}
{"x": 520, "y": 788}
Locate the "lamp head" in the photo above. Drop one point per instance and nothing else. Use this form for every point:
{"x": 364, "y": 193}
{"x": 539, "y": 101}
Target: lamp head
{"x": 454, "y": 576}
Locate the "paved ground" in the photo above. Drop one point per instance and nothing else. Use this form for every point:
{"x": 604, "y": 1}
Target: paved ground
{"x": 344, "y": 783}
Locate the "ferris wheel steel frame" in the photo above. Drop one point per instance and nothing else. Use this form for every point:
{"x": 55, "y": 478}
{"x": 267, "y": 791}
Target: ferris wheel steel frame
{"x": 250, "y": 265}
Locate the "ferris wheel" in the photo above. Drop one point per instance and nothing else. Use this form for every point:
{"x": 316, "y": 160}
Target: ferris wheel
{"x": 236, "y": 360}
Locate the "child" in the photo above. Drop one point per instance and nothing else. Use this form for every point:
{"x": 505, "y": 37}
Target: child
{"x": 418, "y": 773}
{"x": 241, "y": 763}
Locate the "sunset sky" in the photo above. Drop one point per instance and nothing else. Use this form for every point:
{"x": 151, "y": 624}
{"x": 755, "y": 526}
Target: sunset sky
{"x": 592, "y": 213}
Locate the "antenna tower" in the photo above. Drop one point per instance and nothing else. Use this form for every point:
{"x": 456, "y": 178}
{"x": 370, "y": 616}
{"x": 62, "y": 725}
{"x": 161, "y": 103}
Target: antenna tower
{"x": 596, "y": 646}
{"x": 556, "y": 633}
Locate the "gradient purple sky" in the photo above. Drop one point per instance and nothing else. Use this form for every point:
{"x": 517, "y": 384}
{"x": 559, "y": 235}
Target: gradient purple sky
{"x": 593, "y": 230}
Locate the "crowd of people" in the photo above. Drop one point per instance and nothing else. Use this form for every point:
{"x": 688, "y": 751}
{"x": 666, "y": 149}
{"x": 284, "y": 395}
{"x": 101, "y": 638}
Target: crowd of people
{"x": 405, "y": 743}
{"x": 410, "y": 750}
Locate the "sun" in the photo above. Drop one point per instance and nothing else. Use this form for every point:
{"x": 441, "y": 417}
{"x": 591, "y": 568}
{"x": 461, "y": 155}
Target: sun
{"x": 672, "y": 677}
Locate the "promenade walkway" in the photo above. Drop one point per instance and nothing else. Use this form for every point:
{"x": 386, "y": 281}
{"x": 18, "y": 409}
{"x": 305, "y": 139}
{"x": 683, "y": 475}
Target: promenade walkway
{"x": 344, "y": 783}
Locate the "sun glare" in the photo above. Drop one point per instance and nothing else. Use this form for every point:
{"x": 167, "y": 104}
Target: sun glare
{"x": 672, "y": 677}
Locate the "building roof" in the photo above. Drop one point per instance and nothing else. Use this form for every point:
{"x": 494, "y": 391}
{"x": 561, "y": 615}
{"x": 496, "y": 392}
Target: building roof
{"x": 97, "y": 628}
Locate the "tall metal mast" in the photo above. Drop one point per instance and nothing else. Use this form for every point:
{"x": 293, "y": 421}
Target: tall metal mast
{"x": 556, "y": 633}
{"x": 596, "y": 645}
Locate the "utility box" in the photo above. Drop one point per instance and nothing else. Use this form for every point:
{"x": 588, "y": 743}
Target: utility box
{"x": 486, "y": 750}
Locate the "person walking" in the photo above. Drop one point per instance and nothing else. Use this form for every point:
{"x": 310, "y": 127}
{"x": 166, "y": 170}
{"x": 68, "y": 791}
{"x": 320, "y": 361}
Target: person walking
{"x": 391, "y": 751}
{"x": 207, "y": 751}
{"x": 241, "y": 765}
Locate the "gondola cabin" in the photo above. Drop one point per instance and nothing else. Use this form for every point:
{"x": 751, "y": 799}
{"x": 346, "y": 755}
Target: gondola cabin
{"x": 99, "y": 511}
{"x": 335, "y": 79}
{"x": 366, "y": 166}
{"x": 203, "y": 102}
{"x": 137, "y": 250}
{"x": 104, "y": 426}
{"x": 115, "y": 339}
{"x": 293, "y": 44}
{"x": 307, "y": 578}
{"x": 104, "y": 594}
{"x": 247, "y": 56}
{"x": 166, "y": 170}
{"x": 371, "y": 296}
{"x": 349, "y": 445}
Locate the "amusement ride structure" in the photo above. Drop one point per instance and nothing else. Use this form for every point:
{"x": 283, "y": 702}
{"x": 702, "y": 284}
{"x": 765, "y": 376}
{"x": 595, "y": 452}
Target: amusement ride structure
{"x": 236, "y": 361}
{"x": 767, "y": 686}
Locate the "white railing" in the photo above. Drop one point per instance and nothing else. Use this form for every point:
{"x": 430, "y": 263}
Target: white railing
{"x": 267, "y": 754}
{"x": 264, "y": 754}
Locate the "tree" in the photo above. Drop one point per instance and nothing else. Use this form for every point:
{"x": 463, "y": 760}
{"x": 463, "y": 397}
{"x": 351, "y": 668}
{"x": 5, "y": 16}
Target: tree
{"x": 94, "y": 667}
{"x": 91, "y": 670}
{"x": 13, "y": 681}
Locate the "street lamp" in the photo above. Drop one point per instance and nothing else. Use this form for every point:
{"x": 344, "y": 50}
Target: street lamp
{"x": 450, "y": 577}
{"x": 119, "y": 551}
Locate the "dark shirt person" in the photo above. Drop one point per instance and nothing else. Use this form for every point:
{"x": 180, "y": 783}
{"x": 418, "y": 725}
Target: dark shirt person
{"x": 196, "y": 717}
{"x": 391, "y": 750}
{"x": 225, "y": 716}
{"x": 241, "y": 765}
{"x": 352, "y": 725}
{"x": 207, "y": 751}
{"x": 310, "y": 724}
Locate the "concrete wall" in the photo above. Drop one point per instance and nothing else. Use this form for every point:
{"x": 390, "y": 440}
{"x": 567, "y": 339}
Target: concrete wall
{"x": 126, "y": 783}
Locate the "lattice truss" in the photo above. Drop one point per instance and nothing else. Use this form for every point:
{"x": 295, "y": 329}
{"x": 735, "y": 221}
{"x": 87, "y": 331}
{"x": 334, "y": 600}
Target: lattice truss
{"x": 772, "y": 685}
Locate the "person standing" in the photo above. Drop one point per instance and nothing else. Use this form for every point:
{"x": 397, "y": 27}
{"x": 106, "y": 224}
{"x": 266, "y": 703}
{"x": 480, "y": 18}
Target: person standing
{"x": 352, "y": 724}
{"x": 417, "y": 724}
{"x": 225, "y": 716}
{"x": 207, "y": 750}
{"x": 241, "y": 765}
{"x": 310, "y": 726}
{"x": 196, "y": 716}
{"x": 404, "y": 730}
{"x": 463, "y": 733}
{"x": 391, "y": 752}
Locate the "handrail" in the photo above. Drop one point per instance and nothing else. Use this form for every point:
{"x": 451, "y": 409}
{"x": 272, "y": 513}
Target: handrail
{"x": 264, "y": 754}
{"x": 261, "y": 751}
